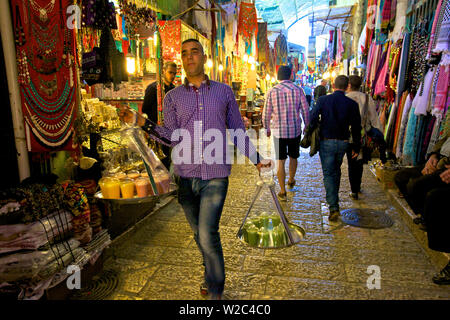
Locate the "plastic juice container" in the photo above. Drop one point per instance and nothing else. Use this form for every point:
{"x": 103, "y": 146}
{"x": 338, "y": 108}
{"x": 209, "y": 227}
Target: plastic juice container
{"x": 162, "y": 183}
{"x": 264, "y": 218}
{"x": 279, "y": 236}
{"x": 120, "y": 175}
{"x": 142, "y": 187}
{"x": 134, "y": 174}
{"x": 127, "y": 188}
{"x": 276, "y": 220}
{"x": 253, "y": 236}
{"x": 110, "y": 188}
{"x": 247, "y": 226}
{"x": 264, "y": 238}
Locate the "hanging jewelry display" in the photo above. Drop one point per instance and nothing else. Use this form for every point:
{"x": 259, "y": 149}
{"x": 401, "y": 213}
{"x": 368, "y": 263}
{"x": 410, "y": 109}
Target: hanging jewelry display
{"x": 136, "y": 16}
{"x": 45, "y": 59}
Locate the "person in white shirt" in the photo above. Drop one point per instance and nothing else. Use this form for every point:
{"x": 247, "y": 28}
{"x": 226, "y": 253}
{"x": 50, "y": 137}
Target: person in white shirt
{"x": 372, "y": 126}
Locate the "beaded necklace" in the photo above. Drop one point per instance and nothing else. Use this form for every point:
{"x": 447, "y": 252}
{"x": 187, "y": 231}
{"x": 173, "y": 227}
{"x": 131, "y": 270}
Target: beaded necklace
{"x": 19, "y": 34}
{"x": 43, "y": 12}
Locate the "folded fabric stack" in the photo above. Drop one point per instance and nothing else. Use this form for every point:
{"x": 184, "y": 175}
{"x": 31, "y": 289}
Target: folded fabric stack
{"x": 42, "y": 232}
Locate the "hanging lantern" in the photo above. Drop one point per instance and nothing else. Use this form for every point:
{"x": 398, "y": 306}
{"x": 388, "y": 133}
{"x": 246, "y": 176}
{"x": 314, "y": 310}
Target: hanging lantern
{"x": 268, "y": 77}
{"x": 209, "y": 63}
{"x": 220, "y": 67}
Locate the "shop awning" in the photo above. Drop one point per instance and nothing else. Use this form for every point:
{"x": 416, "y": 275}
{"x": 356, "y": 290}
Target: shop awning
{"x": 283, "y": 14}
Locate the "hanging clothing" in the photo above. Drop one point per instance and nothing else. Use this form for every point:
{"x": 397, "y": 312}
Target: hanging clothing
{"x": 403, "y": 63}
{"x": 420, "y": 102}
{"x": 404, "y": 121}
{"x": 408, "y": 156}
{"x": 248, "y": 21}
{"x": 443, "y": 29}
{"x": 441, "y": 91}
{"x": 380, "y": 86}
{"x": 281, "y": 50}
{"x": 433, "y": 37}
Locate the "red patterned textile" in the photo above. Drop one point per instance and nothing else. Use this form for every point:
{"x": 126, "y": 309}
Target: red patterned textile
{"x": 170, "y": 32}
{"x": 248, "y": 21}
{"x": 46, "y": 58}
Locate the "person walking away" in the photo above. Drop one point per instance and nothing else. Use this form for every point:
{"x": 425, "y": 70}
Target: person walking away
{"x": 203, "y": 106}
{"x": 308, "y": 93}
{"x": 284, "y": 104}
{"x": 150, "y": 105}
{"x": 338, "y": 116}
{"x": 371, "y": 125}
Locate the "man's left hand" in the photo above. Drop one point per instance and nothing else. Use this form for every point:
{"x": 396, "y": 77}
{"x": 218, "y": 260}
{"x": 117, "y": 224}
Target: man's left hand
{"x": 266, "y": 163}
{"x": 354, "y": 154}
{"x": 445, "y": 176}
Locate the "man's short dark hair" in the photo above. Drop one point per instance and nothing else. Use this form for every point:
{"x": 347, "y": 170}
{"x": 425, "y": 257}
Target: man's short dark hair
{"x": 168, "y": 64}
{"x": 284, "y": 73}
{"x": 355, "y": 82}
{"x": 341, "y": 82}
{"x": 193, "y": 40}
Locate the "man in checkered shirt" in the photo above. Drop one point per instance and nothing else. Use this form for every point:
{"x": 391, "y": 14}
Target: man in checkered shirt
{"x": 284, "y": 104}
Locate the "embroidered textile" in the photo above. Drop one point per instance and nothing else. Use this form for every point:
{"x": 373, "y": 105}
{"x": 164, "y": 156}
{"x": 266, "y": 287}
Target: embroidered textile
{"x": 443, "y": 29}
{"x": 248, "y": 21}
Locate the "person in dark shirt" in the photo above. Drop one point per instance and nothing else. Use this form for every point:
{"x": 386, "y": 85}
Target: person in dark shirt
{"x": 338, "y": 114}
{"x": 150, "y": 106}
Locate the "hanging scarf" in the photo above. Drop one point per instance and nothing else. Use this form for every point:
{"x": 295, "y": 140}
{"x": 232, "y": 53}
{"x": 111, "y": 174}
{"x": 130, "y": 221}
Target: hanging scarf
{"x": 433, "y": 38}
{"x": 248, "y": 21}
{"x": 404, "y": 121}
{"x": 420, "y": 102}
{"x": 441, "y": 91}
{"x": 263, "y": 43}
{"x": 371, "y": 13}
{"x": 281, "y": 50}
{"x": 443, "y": 29}
{"x": 388, "y": 15}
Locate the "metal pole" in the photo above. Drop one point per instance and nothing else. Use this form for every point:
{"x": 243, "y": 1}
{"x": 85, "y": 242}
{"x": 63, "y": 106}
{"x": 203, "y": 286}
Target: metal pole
{"x": 9, "y": 52}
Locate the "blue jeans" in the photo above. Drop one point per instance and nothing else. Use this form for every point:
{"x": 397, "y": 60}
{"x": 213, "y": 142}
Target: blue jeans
{"x": 202, "y": 202}
{"x": 331, "y": 154}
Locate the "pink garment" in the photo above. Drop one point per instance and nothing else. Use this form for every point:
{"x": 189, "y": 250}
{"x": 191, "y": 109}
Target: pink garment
{"x": 370, "y": 62}
{"x": 380, "y": 86}
{"x": 433, "y": 30}
{"x": 441, "y": 91}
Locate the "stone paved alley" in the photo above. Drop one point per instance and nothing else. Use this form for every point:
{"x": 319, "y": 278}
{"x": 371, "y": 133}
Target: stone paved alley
{"x": 160, "y": 259}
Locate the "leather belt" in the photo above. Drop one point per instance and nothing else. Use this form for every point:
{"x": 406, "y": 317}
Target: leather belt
{"x": 335, "y": 139}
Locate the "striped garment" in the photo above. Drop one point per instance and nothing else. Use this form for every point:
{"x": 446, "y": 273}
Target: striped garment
{"x": 284, "y": 103}
{"x": 189, "y": 113}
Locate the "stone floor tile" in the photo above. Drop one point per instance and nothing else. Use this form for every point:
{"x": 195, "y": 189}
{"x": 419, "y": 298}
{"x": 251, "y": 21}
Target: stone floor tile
{"x": 134, "y": 281}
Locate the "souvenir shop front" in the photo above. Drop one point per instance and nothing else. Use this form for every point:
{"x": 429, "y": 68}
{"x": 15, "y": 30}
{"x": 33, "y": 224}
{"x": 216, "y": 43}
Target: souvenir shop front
{"x": 408, "y": 75}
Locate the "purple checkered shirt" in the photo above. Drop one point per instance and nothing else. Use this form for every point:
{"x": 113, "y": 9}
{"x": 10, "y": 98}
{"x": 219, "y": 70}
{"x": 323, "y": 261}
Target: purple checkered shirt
{"x": 284, "y": 103}
{"x": 212, "y": 106}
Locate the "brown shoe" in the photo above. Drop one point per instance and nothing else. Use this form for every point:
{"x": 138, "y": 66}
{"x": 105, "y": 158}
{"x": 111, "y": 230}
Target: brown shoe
{"x": 291, "y": 184}
{"x": 282, "y": 196}
{"x": 334, "y": 216}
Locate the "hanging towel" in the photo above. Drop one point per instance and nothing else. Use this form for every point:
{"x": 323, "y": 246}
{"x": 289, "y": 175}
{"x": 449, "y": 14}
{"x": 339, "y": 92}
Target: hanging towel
{"x": 408, "y": 152}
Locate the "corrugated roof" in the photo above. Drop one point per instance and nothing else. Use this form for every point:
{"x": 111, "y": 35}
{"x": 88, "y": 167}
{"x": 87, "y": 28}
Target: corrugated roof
{"x": 282, "y": 14}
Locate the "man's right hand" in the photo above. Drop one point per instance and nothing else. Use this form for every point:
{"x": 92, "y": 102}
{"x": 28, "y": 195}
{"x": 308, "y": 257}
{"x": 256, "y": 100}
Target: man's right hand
{"x": 128, "y": 116}
{"x": 431, "y": 165}
{"x": 354, "y": 154}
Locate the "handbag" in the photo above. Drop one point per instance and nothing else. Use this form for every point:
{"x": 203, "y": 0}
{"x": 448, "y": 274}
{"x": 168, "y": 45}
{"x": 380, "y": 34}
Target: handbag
{"x": 311, "y": 139}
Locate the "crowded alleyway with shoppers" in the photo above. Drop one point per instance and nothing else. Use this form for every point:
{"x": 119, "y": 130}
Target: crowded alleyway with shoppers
{"x": 160, "y": 260}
